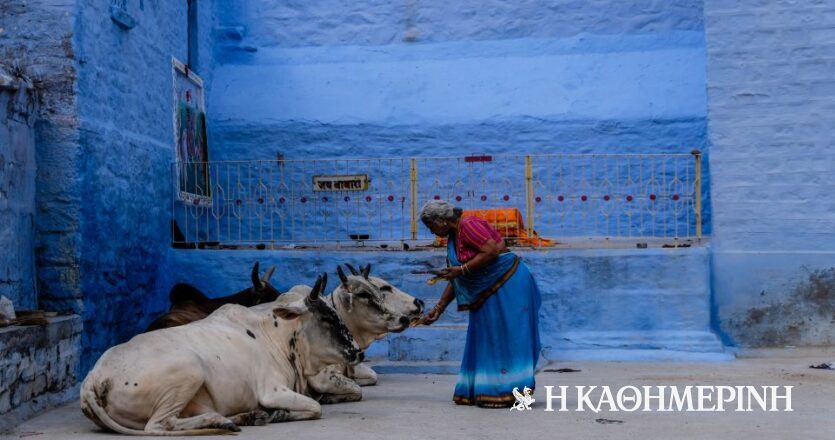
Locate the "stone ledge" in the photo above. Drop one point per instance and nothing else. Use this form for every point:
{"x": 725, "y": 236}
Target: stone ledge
{"x": 38, "y": 368}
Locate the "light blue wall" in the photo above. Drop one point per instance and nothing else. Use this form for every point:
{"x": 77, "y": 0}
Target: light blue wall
{"x": 771, "y": 112}
{"x": 627, "y": 304}
{"x": 329, "y": 78}
{"x": 326, "y": 79}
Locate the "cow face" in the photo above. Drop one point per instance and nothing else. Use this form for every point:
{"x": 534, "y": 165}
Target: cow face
{"x": 326, "y": 338}
{"x": 373, "y": 304}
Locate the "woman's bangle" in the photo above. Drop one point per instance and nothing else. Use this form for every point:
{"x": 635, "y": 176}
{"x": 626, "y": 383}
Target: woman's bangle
{"x": 464, "y": 269}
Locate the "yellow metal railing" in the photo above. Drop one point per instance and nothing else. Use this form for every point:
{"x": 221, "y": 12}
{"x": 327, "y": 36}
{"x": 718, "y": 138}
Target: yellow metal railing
{"x": 305, "y": 202}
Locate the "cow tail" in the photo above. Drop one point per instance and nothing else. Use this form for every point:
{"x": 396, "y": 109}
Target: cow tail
{"x": 95, "y": 412}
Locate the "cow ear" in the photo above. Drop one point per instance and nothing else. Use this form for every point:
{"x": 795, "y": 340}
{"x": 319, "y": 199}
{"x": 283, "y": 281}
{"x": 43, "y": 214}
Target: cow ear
{"x": 256, "y": 281}
{"x": 366, "y": 271}
{"x": 290, "y": 311}
{"x": 342, "y": 276}
{"x": 352, "y": 269}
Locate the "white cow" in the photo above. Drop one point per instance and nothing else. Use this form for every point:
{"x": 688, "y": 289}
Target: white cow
{"x": 371, "y": 308}
{"x": 226, "y": 370}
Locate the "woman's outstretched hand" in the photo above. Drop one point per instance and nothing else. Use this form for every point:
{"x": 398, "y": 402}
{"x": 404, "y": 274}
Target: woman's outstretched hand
{"x": 431, "y": 316}
{"x": 450, "y": 273}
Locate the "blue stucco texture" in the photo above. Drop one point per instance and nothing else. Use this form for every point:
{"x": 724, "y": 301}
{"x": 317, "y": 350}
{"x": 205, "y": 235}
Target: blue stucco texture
{"x": 17, "y": 189}
{"x": 747, "y": 82}
{"x": 126, "y": 128}
{"x": 596, "y": 303}
{"x": 771, "y": 98}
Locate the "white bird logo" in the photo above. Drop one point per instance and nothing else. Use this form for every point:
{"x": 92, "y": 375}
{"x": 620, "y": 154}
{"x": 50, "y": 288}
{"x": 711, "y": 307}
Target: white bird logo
{"x": 523, "y": 401}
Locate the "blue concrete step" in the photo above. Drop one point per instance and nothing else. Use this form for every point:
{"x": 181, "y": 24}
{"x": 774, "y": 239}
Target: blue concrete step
{"x": 616, "y": 305}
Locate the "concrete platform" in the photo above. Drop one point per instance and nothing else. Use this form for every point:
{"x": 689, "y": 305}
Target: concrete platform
{"x": 419, "y": 406}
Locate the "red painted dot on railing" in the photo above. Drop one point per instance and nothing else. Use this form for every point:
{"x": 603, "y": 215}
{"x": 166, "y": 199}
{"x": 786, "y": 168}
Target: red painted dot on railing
{"x": 606, "y": 197}
{"x": 675, "y": 196}
{"x": 367, "y": 198}
{"x": 239, "y": 202}
{"x": 584, "y": 197}
{"x": 391, "y": 198}
{"x": 652, "y": 197}
{"x": 483, "y": 198}
{"x": 347, "y": 199}
{"x": 304, "y": 200}
{"x": 260, "y": 200}
{"x": 628, "y": 198}
{"x": 437, "y": 197}
{"x": 506, "y": 197}
{"x": 561, "y": 198}
{"x": 538, "y": 199}
{"x": 281, "y": 200}
{"x": 458, "y": 198}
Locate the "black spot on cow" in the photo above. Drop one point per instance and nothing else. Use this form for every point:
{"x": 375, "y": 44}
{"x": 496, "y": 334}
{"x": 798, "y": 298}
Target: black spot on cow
{"x": 102, "y": 392}
{"x": 275, "y": 323}
{"x": 251, "y": 335}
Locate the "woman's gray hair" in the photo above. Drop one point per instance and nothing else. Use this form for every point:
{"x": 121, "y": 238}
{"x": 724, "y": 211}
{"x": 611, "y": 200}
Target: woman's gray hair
{"x": 439, "y": 210}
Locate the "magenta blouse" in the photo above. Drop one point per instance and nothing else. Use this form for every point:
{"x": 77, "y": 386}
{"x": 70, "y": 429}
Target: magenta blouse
{"x": 473, "y": 232}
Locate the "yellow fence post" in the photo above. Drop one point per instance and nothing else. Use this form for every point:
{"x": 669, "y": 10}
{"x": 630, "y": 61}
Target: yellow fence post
{"x": 698, "y": 196}
{"x": 413, "y": 195}
{"x": 529, "y": 194}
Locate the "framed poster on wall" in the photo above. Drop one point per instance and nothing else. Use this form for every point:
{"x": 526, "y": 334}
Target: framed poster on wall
{"x": 190, "y": 140}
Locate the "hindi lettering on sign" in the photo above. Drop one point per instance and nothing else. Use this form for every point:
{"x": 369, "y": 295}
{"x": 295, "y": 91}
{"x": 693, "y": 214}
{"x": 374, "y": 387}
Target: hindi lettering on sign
{"x": 349, "y": 182}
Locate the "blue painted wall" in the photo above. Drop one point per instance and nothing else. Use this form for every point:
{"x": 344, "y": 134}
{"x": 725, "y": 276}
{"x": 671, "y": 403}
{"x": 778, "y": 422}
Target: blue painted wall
{"x": 18, "y": 109}
{"x": 771, "y": 96}
{"x": 627, "y": 304}
{"x": 37, "y": 35}
{"x": 375, "y": 78}
{"x": 126, "y": 136}
{"x": 329, "y": 78}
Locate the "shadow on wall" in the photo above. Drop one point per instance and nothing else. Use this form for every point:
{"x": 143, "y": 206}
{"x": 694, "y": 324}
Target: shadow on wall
{"x": 805, "y": 317}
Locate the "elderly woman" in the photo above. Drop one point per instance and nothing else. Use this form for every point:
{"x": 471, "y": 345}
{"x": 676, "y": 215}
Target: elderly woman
{"x": 495, "y": 286}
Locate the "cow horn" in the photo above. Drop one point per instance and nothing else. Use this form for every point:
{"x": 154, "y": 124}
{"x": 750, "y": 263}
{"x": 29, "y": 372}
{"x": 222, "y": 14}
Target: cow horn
{"x": 321, "y": 283}
{"x": 268, "y": 274}
{"x": 366, "y": 271}
{"x": 342, "y": 276}
{"x": 352, "y": 269}
{"x": 256, "y": 282}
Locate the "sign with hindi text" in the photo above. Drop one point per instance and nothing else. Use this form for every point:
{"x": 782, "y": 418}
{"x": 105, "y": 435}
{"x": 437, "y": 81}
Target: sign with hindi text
{"x": 339, "y": 183}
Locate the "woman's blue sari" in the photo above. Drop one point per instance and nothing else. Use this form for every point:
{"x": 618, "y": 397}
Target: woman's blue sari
{"x": 503, "y": 335}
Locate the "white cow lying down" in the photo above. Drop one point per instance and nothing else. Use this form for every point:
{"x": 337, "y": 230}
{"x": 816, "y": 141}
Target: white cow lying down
{"x": 214, "y": 374}
{"x": 371, "y": 308}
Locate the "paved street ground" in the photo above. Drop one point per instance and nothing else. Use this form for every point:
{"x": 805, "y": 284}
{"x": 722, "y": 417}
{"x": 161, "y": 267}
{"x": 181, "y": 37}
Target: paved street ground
{"x": 419, "y": 406}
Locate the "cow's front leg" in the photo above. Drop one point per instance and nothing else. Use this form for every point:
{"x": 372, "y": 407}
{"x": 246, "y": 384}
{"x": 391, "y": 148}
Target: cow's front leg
{"x": 252, "y": 418}
{"x": 334, "y": 387}
{"x": 363, "y": 374}
{"x": 286, "y": 405}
